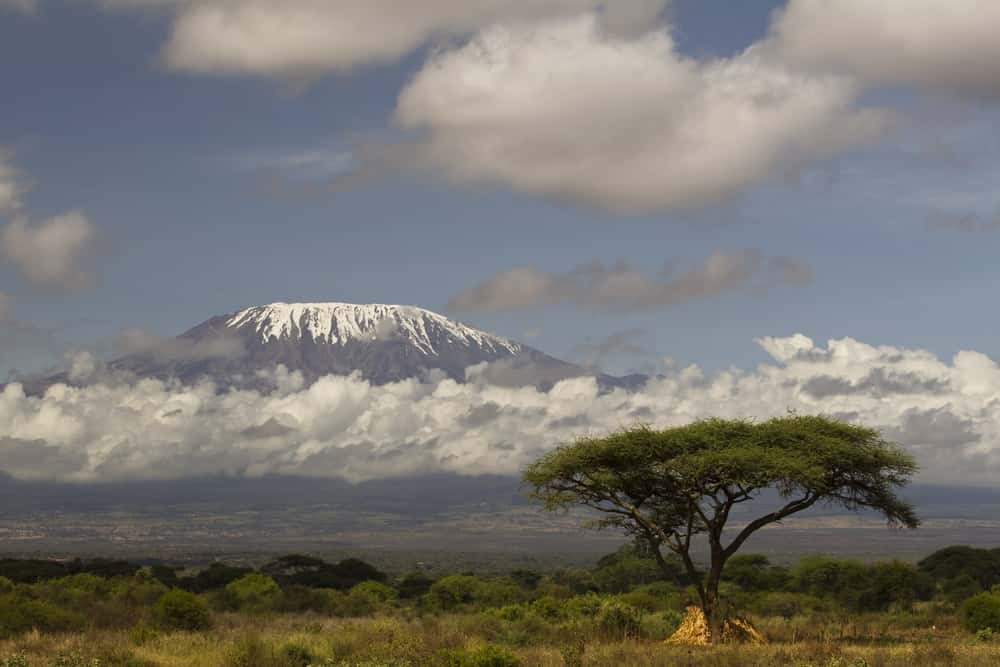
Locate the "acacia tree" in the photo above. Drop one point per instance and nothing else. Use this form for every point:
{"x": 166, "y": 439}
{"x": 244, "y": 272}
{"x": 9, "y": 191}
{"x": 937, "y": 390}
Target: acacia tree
{"x": 676, "y": 488}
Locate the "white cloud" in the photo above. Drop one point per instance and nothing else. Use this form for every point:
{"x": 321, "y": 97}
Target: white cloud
{"x": 566, "y": 110}
{"x": 948, "y": 45}
{"x": 49, "y": 253}
{"x": 622, "y": 287}
{"x": 946, "y": 413}
{"x": 310, "y": 37}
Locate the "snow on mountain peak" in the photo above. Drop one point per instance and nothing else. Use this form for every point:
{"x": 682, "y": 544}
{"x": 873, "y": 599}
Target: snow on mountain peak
{"x": 339, "y": 323}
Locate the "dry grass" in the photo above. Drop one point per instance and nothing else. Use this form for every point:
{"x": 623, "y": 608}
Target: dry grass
{"x": 242, "y": 641}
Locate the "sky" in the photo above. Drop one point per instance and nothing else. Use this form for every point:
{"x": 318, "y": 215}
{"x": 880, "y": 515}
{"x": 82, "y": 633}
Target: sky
{"x": 644, "y": 184}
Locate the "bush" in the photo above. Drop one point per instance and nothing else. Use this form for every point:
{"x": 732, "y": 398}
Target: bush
{"x": 453, "y": 591}
{"x": 254, "y": 592}
{"x": 181, "y": 610}
{"x": 486, "y": 656}
{"x": 619, "y": 621}
{"x": 299, "y": 599}
{"x": 19, "y": 615}
{"x": 414, "y": 585}
{"x": 981, "y": 612}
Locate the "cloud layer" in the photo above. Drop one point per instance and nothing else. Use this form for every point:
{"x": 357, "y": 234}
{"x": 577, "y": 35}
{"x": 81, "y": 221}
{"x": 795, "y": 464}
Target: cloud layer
{"x": 946, "y": 413}
{"x": 949, "y": 46}
{"x": 622, "y": 287}
{"x": 570, "y": 111}
{"x": 307, "y": 38}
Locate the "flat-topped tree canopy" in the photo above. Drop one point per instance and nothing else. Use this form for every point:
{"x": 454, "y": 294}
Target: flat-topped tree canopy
{"x": 668, "y": 486}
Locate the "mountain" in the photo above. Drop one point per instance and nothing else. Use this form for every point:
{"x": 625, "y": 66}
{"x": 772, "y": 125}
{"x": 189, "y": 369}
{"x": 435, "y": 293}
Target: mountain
{"x": 382, "y": 343}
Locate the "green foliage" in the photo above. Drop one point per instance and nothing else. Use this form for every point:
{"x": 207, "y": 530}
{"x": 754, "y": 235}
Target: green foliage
{"x": 19, "y": 614}
{"x": 166, "y": 575}
{"x": 485, "y": 656}
{"x": 16, "y": 660}
{"x": 619, "y": 621}
{"x": 950, "y": 563}
{"x": 215, "y": 577}
{"x": 254, "y": 592}
{"x": 668, "y": 487}
{"x": 181, "y": 610}
{"x": 31, "y": 571}
{"x": 895, "y": 585}
{"x": 414, "y": 585}
{"x": 628, "y": 567}
{"x": 754, "y": 572}
{"x": 299, "y": 599}
{"x": 453, "y": 591}
{"x": 316, "y": 573}
{"x": 980, "y": 612}
{"x": 960, "y": 588}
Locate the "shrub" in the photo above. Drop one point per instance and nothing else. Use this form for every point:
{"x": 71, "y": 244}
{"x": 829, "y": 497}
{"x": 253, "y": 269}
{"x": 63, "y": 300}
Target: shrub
{"x": 453, "y": 591}
{"x": 414, "y": 585}
{"x": 298, "y": 599}
{"x": 254, "y": 592}
{"x": 980, "y": 612}
{"x": 486, "y": 656}
{"x": 548, "y": 608}
{"x": 619, "y": 621}
{"x": 181, "y": 610}
{"x": 19, "y": 615}
{"x": 960, "y": 588}
{"x": 214, "y": 577}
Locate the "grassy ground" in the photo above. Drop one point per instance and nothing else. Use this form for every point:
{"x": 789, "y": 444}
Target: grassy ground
{"x": 452, "y": 640}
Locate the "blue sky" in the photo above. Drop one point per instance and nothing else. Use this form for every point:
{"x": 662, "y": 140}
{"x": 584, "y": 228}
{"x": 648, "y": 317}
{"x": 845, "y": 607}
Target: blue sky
{"x": 211, "y": 191}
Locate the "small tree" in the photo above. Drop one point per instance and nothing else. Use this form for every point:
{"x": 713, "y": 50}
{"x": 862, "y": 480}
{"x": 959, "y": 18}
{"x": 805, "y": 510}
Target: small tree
{"x": 671, "y": 487}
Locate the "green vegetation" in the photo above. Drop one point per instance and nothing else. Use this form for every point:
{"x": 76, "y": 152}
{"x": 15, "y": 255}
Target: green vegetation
{"x": 819, "y": 612}
{"x": 669, "y": 488}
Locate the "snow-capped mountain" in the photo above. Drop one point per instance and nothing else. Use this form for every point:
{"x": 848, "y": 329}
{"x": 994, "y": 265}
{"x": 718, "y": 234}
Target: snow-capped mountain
{"x": 382, "y": 343}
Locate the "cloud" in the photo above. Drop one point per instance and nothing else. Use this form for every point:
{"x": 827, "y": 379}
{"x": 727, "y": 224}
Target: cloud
{"x": 567, "y": 110}
{"x": 343, "y": 427}
{"x": 5, "y": 308}
{"x": 49, "y": 253}
{"x": 307, "y": 38}
{"x": 147, "y": 345}
{"x": 622, "y": 287}
{"x": 949, "y": 46}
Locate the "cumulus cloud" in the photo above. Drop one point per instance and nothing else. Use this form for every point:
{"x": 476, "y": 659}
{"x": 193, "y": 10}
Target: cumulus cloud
{"x": 310, "y": 37}
{"x": 949, "y": 46}
{"x": 567, "y": 110}
{"x": 946, "y": 412}
{"x": 623, "y": 287}
{"x": 49, "y": 253}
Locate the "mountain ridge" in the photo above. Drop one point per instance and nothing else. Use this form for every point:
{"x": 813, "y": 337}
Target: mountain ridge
{"x": 380, "y": 342}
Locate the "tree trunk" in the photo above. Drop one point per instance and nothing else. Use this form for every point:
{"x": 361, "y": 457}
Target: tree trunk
{"x": 712, "y": 607}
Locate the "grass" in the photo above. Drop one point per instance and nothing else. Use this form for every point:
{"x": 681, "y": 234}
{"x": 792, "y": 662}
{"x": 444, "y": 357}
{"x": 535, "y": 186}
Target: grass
{"x": 239, "y": 640}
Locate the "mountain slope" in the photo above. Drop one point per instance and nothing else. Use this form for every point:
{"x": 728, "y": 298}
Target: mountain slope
{"x": 381, "y": 343}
